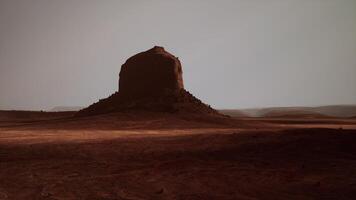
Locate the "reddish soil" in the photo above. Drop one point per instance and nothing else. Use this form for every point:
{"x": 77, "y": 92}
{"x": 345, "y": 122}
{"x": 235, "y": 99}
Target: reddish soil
{"x": 166, "y": 156}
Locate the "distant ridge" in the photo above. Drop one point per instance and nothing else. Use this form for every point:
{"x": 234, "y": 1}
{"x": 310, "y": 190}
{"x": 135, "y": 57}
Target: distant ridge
{"x": 13, "y": 115}
{"x": 343, "y": 111}
{"x": 66, "y": 108}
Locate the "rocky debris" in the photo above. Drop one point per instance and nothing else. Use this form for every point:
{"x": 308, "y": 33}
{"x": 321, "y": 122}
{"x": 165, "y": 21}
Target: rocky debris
{"x": 150, "y": 81}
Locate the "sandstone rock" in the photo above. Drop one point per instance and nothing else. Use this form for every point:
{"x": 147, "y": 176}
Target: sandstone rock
{"x": 150, "y": 73}
{"x": 150, "y": 81}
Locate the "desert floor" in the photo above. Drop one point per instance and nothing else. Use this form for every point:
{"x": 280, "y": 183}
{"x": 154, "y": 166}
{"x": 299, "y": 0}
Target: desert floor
{"x": 162, "y": 157}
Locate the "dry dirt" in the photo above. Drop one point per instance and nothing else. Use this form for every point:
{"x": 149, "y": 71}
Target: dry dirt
{"x": 164, "y": 157}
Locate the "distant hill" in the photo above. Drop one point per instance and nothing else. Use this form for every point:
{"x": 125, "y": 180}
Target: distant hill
{"x": 337, "y": 110}
{"x": 299, "y": 112}
{"x": 294, "y": 114}
{"x": 66, "y": 108}
{"x": 233, "y": 113}
{"x": 13, "y": 115}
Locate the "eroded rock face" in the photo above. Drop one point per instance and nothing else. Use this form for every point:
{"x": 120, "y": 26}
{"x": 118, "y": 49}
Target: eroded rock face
{"x": 150, "y": 73}
{"x": 150, "y": 81}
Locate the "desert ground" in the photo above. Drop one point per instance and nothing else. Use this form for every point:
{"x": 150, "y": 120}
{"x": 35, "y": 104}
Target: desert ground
{"x": 134, "y": 156}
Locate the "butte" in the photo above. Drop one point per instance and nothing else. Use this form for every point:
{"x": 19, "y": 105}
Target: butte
{"x": 150, "y": 81}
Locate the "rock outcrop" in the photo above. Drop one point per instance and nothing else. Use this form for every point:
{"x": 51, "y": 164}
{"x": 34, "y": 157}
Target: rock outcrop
{"x": 150, "y": 81}
{"x": 150, "y": 73}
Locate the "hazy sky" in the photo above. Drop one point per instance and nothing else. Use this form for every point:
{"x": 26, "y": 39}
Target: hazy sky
{"x": 235, "y": 54}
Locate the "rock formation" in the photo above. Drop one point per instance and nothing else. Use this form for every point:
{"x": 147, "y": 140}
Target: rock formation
{"x": 150, "y": 73}
{"x": 150, "y": 81}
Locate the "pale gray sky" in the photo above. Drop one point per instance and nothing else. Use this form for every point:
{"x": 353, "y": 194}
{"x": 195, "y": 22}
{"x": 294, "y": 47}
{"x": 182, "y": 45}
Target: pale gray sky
{"x": 235, "y": 54}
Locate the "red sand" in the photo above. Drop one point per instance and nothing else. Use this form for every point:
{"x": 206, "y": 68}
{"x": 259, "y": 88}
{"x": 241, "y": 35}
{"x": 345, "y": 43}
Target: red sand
{"x": 163, "y": 156}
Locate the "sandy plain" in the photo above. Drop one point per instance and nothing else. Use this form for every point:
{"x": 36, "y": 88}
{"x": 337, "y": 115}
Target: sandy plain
{"x": 135, "y": 156}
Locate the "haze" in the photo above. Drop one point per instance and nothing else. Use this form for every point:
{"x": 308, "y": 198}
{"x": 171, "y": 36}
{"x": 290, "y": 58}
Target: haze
{"x": 235, "y": 54}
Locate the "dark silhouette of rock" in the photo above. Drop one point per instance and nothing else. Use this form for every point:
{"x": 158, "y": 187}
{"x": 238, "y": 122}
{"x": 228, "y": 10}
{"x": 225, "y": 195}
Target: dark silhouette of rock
{"x": 150, "y": 81}
{"x": 150, "y": 73}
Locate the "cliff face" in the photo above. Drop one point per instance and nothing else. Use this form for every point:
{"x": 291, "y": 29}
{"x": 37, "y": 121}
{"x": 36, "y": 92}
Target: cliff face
{"x": 150, "y": 81}
{"x": 150, "y": 73}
